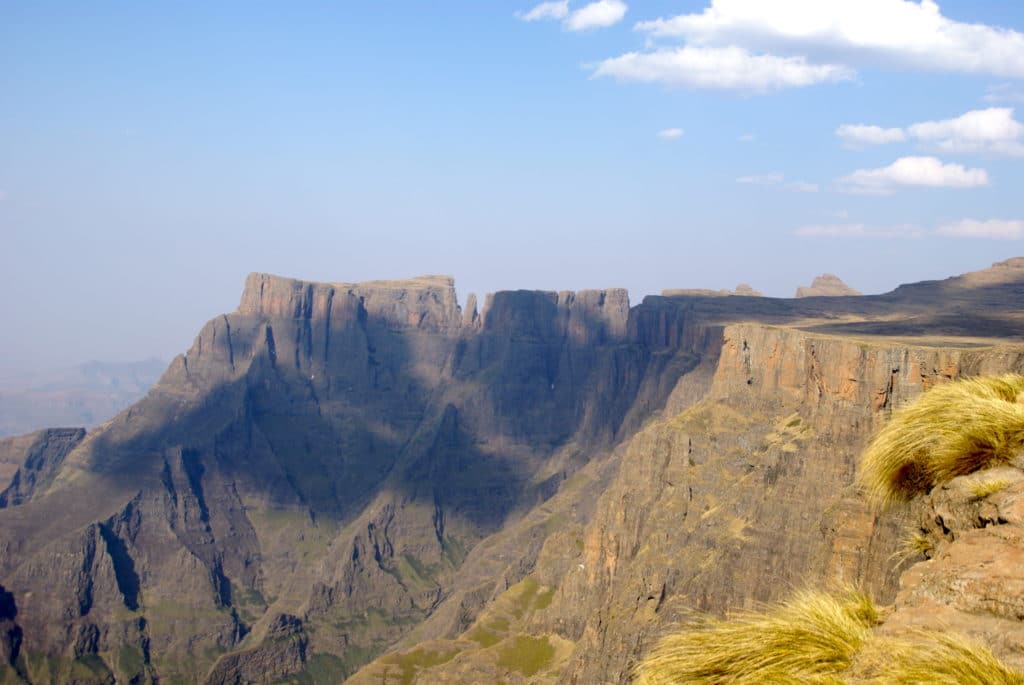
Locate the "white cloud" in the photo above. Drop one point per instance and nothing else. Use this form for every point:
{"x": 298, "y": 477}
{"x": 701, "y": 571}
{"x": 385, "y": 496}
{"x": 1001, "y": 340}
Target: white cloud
{"x": 771, "y": 179}
{"x": 546, "y": 10}
{"x": 903, "y": 232}
{"x": 747, "y": 138}
{"x": 928, "y": 172}
{"x": 985, "y": 130}
{"x": 671, "y": 133}
{"x": 596, "y": 15}
{"x": 992, "y": 131}
{"x": 888, "y": 33}
{"x": 730, "y": 68}
{"x": 993, "y": 229}
{"x": 856, "y": 135}
{"x": 802, "y": 186}
{"x": 778, "y": 179}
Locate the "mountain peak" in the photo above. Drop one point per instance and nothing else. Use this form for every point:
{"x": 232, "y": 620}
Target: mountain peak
{"x": 826, "y": 285}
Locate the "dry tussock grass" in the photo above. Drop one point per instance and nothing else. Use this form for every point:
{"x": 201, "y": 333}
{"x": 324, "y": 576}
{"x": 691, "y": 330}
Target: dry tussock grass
{"x": 808, "y": 639}
{"x": 818, "y": 639}
{"x": 950, "y": 431}
{"x": 930, "y": 658}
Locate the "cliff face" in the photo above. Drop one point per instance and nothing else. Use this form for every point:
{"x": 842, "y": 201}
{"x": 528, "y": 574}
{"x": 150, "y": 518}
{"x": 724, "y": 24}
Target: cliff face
{"x": 747, "y": 494}
{"x": 330, "y": 453}
{"x": 529, "y": 493}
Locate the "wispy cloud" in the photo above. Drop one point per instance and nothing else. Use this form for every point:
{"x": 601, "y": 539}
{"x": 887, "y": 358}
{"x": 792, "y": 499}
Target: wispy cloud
{"x": 894, "y": 33}
{"x": 546, "y": 10}
{"x": 861, "y": 231}
{"x": 926, "y": 172}
{"x": 991, "y": 229}
{"x": 803, "y": 186}
{"x": 858, "y": 135}
{"x": 747, "y": 138}
{"x": 729, "y": 68}
{"x": 778, "y": 179}
{"x": 597, "y": 15}
{"x": 671, "y": 133}
{"x": 771, "y": 179}
{"x": 1004, "y": 92}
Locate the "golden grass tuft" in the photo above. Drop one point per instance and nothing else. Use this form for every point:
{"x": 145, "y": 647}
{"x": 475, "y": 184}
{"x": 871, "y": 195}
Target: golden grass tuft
{"x": 950, "y": 431}
{"x": 986, "y": 488}
{"x": 931, "y": 658}
{"x": 818, "y": 638}
{"x": 809, "y": 639}
{"x": 915, "y": 544}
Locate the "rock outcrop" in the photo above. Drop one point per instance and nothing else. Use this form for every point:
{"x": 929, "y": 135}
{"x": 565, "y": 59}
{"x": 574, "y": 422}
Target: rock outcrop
{"x": 743, "y": 289}
{"x": 968, "y": 545}
{"x": 826, "y": 285}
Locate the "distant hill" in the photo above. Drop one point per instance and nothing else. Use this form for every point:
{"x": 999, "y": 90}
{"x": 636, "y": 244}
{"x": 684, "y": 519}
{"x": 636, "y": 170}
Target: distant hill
{"x": 83, "y": 395}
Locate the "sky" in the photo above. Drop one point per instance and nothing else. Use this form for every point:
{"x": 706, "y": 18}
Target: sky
{"x": 154, "y": 153}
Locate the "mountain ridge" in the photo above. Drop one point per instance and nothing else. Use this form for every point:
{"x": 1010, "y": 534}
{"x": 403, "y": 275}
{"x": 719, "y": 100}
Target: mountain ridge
{"x": 335, "y": 470}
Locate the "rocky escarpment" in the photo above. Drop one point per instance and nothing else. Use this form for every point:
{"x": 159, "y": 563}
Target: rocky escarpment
{"x": 780, "y": 431}
{"x": 341, "y": 475}
{"x": 330, "y": 452}
{"x": 741, "y": 493}
{"x": 826, "y": 285}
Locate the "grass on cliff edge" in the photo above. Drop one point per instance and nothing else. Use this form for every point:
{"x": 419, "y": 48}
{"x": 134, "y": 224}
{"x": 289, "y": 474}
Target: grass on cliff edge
{"x": 805, "y": 640}
{"x": 950, "y": 431}
{"x": 930, "y": 658}
{"x": 818, "y": 638}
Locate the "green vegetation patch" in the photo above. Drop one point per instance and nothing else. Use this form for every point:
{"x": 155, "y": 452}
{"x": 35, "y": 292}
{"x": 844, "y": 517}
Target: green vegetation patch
{"x": 952, "y": 430}
{"x": 9, "y": 676}
{"x": 320, "y": 669}
{"x": 86, "y": 670}
{"x": 483, "y": 637}
{"x": 555, "y": 523}
{"x": 523, "y": 598}
{"x": 526, "y": 654}
{"x": 419, "y": 659}
{"x": 131, "y": 661}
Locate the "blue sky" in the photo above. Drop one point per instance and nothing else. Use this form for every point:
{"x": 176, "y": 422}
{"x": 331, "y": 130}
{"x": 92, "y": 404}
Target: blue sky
{"x": 152, "y": 154}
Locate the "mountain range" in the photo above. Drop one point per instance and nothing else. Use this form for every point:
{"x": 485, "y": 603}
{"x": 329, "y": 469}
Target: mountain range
{"x": 366, "y": 482}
